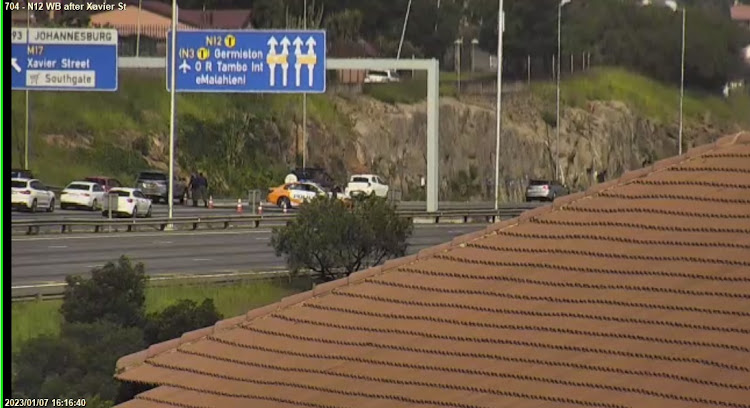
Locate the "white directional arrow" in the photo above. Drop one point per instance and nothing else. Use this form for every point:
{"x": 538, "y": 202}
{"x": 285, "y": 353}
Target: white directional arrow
{"x": 310, "y": 53}
{"x": 285, "y": 43}
{"x": 184, "y": 67}
{"x": 14, "y": 64}
{"x": 298, "y": 65}
{"x": 272, "y": 43}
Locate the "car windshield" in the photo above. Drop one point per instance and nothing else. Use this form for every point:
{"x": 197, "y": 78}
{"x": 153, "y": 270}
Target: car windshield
{"x": 18, "y": 184}
{"x": 538, "y": 183}
{"x": 152, "y": 176}
{"x": 85, "y": 187}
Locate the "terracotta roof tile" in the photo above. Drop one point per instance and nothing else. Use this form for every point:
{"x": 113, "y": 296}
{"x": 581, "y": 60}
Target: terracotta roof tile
{"x": 633, "y": 294}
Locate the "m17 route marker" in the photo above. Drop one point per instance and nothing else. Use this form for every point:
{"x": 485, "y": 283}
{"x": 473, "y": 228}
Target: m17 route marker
{"x": 247, "y": 61}
{"x": 63, "y": 59}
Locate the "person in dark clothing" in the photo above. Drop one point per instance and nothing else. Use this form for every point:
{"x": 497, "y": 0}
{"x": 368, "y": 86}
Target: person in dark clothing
{"x": 203, "y": 188}
{"x": 194, "y": 188}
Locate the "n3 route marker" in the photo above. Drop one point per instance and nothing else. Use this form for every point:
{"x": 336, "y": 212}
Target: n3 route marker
{"x": 63, "y": 59}
{"x": 249, "y": 61}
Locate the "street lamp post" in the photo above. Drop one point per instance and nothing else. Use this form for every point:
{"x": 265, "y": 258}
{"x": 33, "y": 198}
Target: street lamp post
{"x": 172, "y": 113}
{"x": 498, "y": 117}
{"x": 457, "y": 53}
{"x": 557, "y": 69}
{"x": 474, "y": 43}
{"x": 673, "y": 5}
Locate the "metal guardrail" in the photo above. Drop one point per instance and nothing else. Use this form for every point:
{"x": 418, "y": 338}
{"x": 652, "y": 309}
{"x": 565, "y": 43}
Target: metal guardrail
{"x": 47, "y": 291}
{"x": 33, "y": 227}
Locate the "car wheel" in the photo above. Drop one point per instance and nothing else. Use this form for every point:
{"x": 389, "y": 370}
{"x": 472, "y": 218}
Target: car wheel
{"x": 63, "y": 206}
{"x": 135, "y": 212}
{"x": 95, "y": 205}
{"x": 284, "y": 202}
{"x": 33, "y": 206}
{"x": 148, "y": 214}
{"x": 51, "y": 207}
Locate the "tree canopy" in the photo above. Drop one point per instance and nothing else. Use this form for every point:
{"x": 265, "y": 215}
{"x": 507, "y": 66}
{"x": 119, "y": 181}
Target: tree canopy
{"x": 333, "y": 240}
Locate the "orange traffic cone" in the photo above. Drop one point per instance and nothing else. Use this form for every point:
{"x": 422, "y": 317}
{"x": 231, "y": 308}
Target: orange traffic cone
{"x": 239, "y": 206}
{"x": 210, "y": 201}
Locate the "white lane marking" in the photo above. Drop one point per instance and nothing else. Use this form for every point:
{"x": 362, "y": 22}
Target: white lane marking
{"x": 57, "y": 246}
{"x": 201, "y": 259}
{"x": 94, "y": 266}
{"x": 163, "y": 242}
{"x": 262, "y": 239}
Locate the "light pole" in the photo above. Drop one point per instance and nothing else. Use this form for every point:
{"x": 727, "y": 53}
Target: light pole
{"x": 457, "y": 53}
{"x": 474, "y": 43}
{"x": 403, "y": 29}
{"x": 673, "y": 5}
{"x": 304, "y": 103}
{"x": 26, "y": 94}
{"x": 172, "y": 113}
{"x": 138, "y": 30}
{"x": 557, "y": 68}
{"x": 498, "y": 117}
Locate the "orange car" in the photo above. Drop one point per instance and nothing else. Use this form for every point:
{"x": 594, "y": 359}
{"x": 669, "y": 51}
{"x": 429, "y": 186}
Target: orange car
{"x": 291, "y": 195}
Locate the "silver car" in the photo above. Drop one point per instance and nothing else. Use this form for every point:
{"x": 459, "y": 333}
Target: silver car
{"x": 544, "y": 190}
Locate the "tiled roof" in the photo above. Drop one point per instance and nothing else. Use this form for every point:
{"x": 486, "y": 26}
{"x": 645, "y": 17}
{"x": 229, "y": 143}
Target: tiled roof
{"x": 635, "y": 293}
{"x": 740, "y": 12}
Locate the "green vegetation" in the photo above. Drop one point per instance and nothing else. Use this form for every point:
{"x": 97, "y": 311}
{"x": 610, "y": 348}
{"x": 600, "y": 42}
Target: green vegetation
{"x": 240, "y": 141}
{"x": 101, "y": 319}
{"x": 335, "y": 239}
{"x": 649, "y": 97}
{"x": 35, "y": 318}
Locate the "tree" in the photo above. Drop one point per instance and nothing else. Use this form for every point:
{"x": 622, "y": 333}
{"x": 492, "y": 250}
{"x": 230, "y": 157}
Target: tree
{"x": 77, "y": 364}
{"x": 114, "y": 293}
{"x": 333, "y": 240}
{"x": 184, "y": 316}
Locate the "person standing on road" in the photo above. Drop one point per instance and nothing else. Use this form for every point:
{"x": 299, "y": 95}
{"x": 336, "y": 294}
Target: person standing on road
{"x": 203, "y": 188}
{"x": 194, "y": 188}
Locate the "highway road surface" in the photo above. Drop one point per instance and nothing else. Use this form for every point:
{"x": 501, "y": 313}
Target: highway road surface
{"x": 160, "y": 210}
{"x": 41, "y": 259}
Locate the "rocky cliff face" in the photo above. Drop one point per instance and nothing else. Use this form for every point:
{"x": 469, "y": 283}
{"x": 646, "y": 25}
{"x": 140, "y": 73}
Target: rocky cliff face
{"x": 603, "y": 140}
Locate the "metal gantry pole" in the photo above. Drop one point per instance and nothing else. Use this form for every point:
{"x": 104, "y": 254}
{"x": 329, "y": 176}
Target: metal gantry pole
{"x": 682, "y": 82}
{"x": 304, "y": 103}
{"x": 26, "y": 102}
{"x": 172, "y": 112}
{"x": 499, "y": 105}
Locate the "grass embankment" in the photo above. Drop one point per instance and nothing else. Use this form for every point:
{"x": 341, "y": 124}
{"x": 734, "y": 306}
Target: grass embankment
{"x": 31, "y": 319}
{"x": 78, "y": 134}
{"x": 650, "y": 98}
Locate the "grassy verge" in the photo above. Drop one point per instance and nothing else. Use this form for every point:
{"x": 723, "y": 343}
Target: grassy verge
{"x": 31, "y": 319}
{"x": 117, "y": 133}
{"x": 648, "y": 97}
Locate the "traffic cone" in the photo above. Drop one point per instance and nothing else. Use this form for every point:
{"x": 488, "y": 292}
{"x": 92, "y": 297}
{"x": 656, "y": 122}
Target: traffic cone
{"x": 260, "y": 209}
{"x": 239, "y": 206}
{"x": 210, "y": 202}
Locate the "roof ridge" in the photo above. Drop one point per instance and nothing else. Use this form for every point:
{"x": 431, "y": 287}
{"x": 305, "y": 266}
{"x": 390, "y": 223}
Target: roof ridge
{"x": 135, "y": 359}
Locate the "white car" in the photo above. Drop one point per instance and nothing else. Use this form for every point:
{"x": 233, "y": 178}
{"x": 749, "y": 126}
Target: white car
{"x": 130, "y": 202}
{"x": 85, "y": 194}
{"x": 366, "y": 184}
{"x": 379, "y": 77}
{"x": 31, "y": 194}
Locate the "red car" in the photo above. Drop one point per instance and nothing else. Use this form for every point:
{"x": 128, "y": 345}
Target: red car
{"x": 106, "y": 182}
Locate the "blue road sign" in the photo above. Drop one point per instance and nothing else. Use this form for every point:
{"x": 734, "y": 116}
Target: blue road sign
{"x": 64, "y": 59}
{"x": 257, "y": 61}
